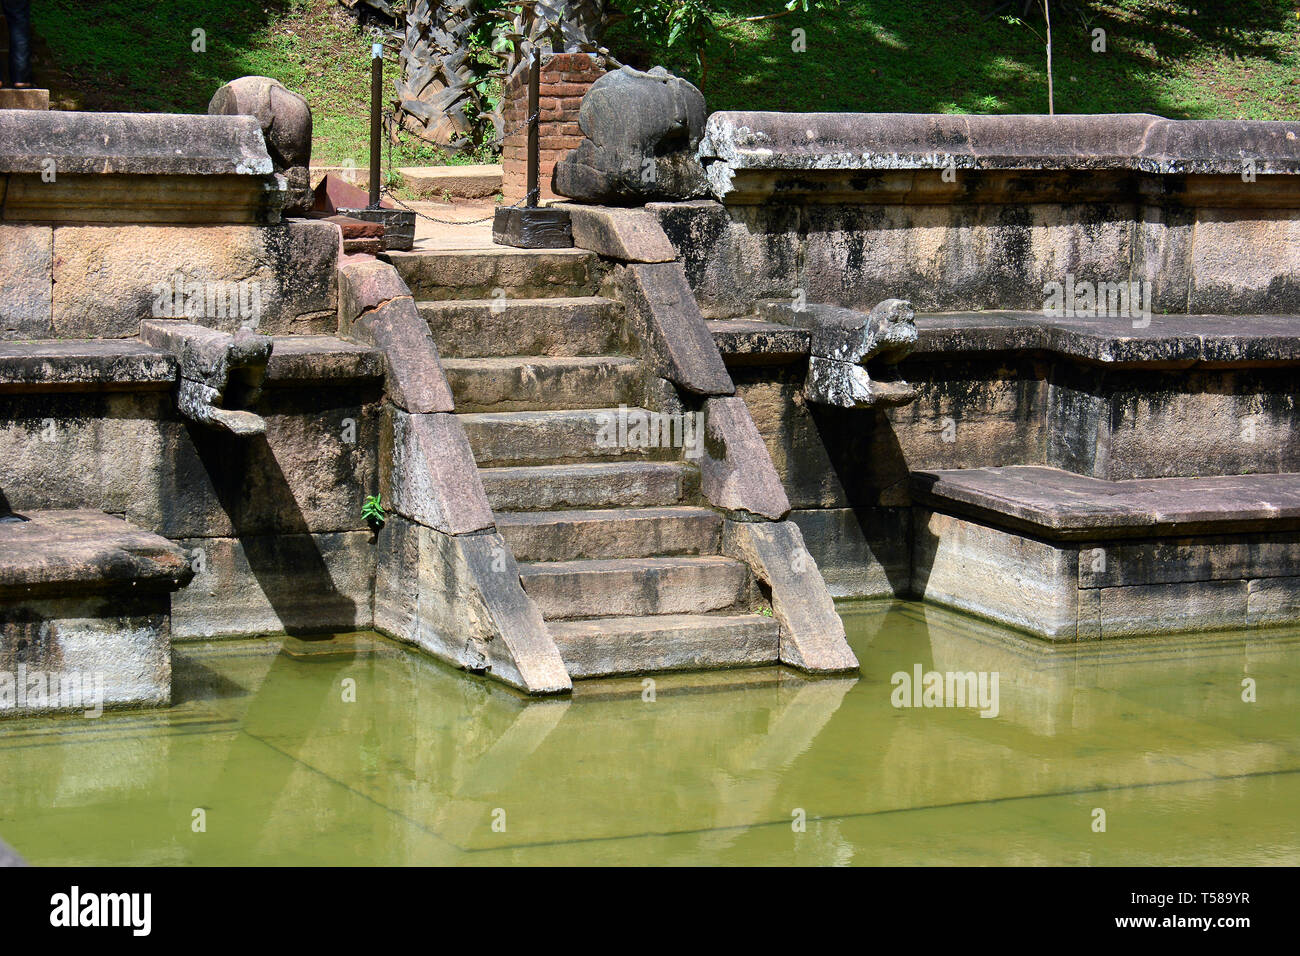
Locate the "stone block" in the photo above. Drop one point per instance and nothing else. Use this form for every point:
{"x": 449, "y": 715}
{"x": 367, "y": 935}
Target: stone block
{"x": 459, "y": 598}
{"x": 416, "y": 382}
{"x": 26, "y": 281}
{"x": 366, "y": 284}
{"x": 1165, "y": 608}
{"x": 812, "y": 634}
{"x": 276, "y": 583}
{"x": 1273, "y": 601}
{"x": 1245, "y": 261}
{"x": 862, "y": 553}
{"x": 628, "y": 235}
{"x": 1017, "y": 581}
{"x": 736, "y": 473}
{"x": 74, "y": 654}
{"x": 84, "y": 365}
{"x": 431, "y": 478}
{"x": 107, "y": 279}
{"x": 676, "y": 342}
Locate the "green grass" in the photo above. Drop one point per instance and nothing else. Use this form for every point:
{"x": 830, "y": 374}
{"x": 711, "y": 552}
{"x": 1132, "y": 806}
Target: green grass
{"x": 137, "y": 55}
{"x": 1240, "y": 59}
{"x": 1236, "y": 59}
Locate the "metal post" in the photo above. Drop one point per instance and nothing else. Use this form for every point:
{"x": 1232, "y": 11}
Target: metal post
{"x": 535, "y": 119}
{"x": 376, "y": 107}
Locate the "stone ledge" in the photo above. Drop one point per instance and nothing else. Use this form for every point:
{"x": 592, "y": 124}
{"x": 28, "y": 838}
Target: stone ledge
{"x": 323, "y": 359}
{"x": 84, "y": 365}
{"x": 1169, "y": 342}
{"x": 130, "y": 365}
{"x": 171, "y": 144}
{"x": 1056, "y": 504}
{"x": 741, "y": 149}
{"x": 84, "y": 551}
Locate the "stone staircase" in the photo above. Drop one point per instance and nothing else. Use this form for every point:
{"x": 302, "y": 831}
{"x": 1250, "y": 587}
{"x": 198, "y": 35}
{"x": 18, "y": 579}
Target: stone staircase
{"x": 613, "y": 543}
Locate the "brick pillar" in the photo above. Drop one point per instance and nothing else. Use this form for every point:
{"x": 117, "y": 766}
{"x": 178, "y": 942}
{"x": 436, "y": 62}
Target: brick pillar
{"x": 565, "y": 78}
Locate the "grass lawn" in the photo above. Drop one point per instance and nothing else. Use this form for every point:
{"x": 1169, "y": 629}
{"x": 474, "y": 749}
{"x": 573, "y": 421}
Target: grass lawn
{"x": 1240, "y": 59}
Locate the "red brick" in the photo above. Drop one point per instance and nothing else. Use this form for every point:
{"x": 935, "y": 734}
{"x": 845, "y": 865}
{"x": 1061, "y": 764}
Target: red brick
{"x": 564, "y": 89}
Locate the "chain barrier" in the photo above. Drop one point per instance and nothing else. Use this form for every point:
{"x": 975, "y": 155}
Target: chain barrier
{"x": 387, "y": 190}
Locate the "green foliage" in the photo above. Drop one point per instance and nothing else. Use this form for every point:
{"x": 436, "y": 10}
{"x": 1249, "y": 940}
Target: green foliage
{"x": 694, "y": 24}
{"x": 372, "y": 511}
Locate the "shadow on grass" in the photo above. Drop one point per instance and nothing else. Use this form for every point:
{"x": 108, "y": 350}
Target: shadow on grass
{"x": 140, "y": 54}
{"x": 884, "y": 56}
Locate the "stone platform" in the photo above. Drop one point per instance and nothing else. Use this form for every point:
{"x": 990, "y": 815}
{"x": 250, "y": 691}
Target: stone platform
{"x": 1070, "y": 557}
{"x": 85, "y": 604}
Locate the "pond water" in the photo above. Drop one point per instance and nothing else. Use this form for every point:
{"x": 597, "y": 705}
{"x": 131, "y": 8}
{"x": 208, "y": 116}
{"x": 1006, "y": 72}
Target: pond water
{"x": 266, "y": 748}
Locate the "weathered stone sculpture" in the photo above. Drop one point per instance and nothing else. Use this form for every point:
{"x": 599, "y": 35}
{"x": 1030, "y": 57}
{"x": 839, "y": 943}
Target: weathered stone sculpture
{"x": 642, "y": 131}
{"x": 842, "y": 341}
{"x": 217, "y": 369}
{"x": 285, "y": 118}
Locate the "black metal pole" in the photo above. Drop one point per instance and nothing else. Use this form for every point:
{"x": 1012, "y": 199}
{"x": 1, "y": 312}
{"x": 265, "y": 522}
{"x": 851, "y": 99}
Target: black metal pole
{"x": 534, "y": 96}
{"x": 376, "y": 107}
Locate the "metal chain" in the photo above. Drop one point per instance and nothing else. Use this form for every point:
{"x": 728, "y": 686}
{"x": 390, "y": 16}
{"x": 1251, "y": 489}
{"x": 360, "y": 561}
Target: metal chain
{"x": 387, "y": 191}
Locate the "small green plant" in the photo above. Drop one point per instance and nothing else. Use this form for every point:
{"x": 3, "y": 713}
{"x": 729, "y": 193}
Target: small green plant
{"x": 765, "y": 611}
{"x": 372, "y": 511}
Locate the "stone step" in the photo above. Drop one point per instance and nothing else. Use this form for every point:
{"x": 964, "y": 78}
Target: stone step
{"x": 634, "y": 586}
{"x": 462, "y": 182}
{"x": 606, "y": 646}
{"x": 611, "y": 533}
{"x": 558, "y": 326}
{"x": 1057, "y": 504}
{"x": 476, "y": 273}
{"x": 534, "y": 383}
{"x": 621, "y": 484}
{"x": 553, "y": 437}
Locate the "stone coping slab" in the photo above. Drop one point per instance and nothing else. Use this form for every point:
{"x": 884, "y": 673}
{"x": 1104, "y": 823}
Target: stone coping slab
{"x": 83, "y": 365}
{"x": 85, "y": 551}
{"x": 321, "y": 358}
{"x": 169, "y": 144}
{"x": 1052, "y": 503}
{"x": 1170, "y": 341}
{"x": 130, "y": 365}
{"x": 737, "y": 141}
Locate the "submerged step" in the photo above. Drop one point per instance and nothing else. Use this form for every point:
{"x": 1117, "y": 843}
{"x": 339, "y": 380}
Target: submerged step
{"x": 553, "y": 437}
{"x": 603, "y": 485}
{"x": 611, "y": 533}
{"x": 476, "y": 273}
{"x": 534, "y": 383}
{"x": 607, "y": 646}
{"x": 627, "y": 586}
{"x": 494, "y": 327}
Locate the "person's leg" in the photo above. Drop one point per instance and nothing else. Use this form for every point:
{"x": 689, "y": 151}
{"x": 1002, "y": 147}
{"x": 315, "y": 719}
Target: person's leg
{"x": 18, "y": 17}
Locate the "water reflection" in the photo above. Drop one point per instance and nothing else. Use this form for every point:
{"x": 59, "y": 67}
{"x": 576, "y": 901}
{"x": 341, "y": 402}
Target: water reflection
{"x": 355, "y": 750}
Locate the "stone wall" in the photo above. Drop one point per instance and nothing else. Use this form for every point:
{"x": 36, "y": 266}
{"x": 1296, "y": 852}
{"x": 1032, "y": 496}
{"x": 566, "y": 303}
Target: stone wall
{"x": 272, "y": 523}
{"x": 566, "y": 77}
{"x": 966, "y": 214}
{"x": 103, "y": 212}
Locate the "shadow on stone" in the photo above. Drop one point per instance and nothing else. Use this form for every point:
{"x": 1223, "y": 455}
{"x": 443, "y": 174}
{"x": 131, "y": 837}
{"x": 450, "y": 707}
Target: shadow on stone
{"x": 287, "y": 564}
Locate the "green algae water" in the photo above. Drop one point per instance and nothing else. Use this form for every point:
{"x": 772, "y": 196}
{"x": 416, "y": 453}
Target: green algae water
{"x": 355, "y": 750}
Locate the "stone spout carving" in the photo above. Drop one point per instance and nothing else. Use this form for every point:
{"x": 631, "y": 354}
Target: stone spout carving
{"x": 219, "y": 372}
{"x": 642, "y": 131}
{"x": 853, "y": 357}
{"x": 285, "y": 118}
